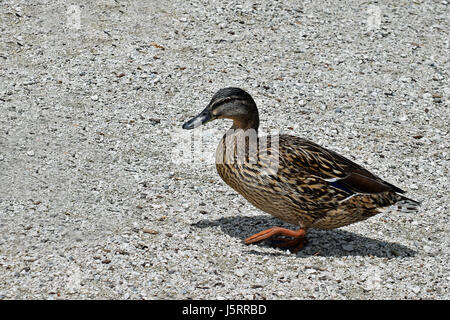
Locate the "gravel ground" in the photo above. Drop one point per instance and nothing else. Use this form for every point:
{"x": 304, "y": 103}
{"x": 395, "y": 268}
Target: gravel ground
{"x": 95, "y": 204}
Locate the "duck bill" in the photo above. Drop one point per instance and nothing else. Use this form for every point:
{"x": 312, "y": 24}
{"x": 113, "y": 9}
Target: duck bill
{"x": 204, "y": 117}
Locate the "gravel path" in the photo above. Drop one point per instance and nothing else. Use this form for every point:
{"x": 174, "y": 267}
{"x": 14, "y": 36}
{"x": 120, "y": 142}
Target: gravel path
{"x": 94, "y": 204}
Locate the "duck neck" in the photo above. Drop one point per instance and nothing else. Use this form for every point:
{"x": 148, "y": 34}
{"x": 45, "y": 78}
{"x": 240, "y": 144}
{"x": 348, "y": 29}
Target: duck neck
{"x": 246, "y": 122}
{"x": 239, "y": 144}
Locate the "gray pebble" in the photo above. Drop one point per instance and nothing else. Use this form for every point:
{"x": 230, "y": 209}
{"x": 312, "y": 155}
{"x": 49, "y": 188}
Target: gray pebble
{"x": 348, "y": 247}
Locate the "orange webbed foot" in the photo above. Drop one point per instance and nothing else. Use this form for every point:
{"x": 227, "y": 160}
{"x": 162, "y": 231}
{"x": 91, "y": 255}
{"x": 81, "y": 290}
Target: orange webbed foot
{"x": 294, "y": 244}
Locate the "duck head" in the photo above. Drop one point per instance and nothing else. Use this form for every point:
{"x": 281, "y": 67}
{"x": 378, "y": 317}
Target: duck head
{"x": 229, "y": 103}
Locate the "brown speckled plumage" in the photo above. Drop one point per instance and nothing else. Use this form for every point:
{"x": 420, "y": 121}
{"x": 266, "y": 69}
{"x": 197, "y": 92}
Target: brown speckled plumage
{"x": 298, "y": 192}
{"x": 292, "y": 178}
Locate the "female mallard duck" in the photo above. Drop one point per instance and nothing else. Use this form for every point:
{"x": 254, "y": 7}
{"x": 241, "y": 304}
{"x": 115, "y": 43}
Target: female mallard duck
{"x": 292, "y": 178}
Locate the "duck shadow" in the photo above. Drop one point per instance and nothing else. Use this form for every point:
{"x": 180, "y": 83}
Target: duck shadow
{"x": 331, "y": 243}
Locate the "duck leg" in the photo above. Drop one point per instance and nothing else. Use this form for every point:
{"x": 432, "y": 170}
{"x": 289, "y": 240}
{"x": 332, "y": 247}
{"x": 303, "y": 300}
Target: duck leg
{"x": 297, "y": 243}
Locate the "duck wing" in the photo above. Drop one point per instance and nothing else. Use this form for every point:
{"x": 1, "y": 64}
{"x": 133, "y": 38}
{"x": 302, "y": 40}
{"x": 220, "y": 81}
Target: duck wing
{"x": 334, "y": 169}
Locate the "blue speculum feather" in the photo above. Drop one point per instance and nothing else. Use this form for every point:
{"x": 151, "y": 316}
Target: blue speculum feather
{"x": 339, "y": 186}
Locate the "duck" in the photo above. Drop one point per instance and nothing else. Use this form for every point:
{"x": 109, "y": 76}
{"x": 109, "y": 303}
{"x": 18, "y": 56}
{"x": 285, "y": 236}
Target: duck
{"x": 292, "y": 178}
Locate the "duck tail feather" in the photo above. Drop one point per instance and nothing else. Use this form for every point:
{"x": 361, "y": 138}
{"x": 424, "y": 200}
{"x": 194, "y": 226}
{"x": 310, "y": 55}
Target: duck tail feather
{"x": 407, "y": 205}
